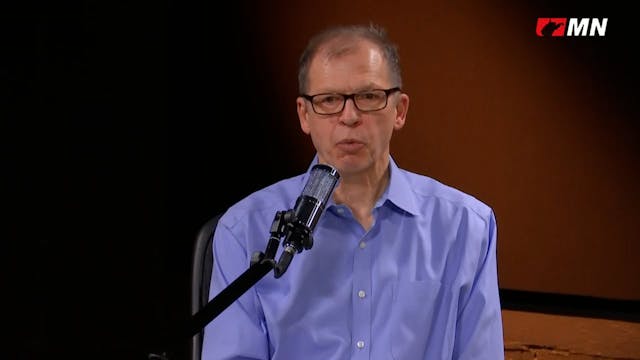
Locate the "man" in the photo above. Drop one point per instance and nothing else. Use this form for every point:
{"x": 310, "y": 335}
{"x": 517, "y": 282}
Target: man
{"x": 402, "y": 266}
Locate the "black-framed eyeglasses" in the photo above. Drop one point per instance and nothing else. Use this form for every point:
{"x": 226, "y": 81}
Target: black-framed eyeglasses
{"x": 333, "y": 103}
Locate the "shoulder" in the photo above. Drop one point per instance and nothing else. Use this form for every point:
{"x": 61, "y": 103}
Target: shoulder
{"x": 430, "y": 192}
{"x": 264, "y": 202}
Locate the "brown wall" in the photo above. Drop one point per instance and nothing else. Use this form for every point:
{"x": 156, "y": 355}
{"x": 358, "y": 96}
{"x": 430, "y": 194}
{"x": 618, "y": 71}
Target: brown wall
{"x": 541, "y": 129}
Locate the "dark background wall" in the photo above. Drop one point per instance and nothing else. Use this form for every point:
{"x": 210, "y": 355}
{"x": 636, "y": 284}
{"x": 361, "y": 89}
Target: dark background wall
{"x": 129, "y": 124}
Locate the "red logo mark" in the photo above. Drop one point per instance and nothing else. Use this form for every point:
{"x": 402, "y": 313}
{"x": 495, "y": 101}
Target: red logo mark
{"x": 551, "y": 26}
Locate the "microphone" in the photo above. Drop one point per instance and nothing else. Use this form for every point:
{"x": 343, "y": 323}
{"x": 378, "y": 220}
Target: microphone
{"x": 307, "y": 211}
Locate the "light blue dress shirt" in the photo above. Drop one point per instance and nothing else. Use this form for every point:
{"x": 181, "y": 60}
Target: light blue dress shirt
{"x": 420, "y": 284}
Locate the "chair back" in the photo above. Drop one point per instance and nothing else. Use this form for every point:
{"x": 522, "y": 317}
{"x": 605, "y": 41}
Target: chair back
{"x": 201, "y": 267}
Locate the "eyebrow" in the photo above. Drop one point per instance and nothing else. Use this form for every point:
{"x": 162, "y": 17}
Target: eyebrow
{"x": 358, "y": 90}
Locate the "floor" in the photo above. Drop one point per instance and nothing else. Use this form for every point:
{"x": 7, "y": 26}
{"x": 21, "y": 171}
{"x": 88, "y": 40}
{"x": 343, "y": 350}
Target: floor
{"x": 530, "y": 336}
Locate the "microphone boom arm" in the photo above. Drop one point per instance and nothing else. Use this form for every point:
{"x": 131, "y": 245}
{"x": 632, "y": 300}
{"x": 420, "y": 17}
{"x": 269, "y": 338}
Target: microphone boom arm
{"x": 295, "y": 224}
{"x": 261, "y": 265}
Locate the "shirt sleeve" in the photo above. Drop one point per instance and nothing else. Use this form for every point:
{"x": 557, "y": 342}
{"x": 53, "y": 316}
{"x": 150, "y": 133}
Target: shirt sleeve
{"x": 238, "y": 331}
{"x": 479, "y": 328}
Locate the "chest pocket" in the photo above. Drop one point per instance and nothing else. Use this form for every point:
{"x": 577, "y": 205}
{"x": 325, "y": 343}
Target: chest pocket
{"x": 419, "y": 315}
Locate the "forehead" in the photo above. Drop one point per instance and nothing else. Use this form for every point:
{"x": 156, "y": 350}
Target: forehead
{"x": 348, "y": 65}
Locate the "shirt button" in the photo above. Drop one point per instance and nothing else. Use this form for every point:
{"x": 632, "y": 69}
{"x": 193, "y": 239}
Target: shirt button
{"x": 360, "y": 344}
{"x": 361, "y": 294}
{"x": 363, "y": 244}
{"x": 340, "y": 211}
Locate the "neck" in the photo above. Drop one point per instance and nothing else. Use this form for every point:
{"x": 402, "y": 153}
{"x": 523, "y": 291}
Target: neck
{"x": 361, "y": 191}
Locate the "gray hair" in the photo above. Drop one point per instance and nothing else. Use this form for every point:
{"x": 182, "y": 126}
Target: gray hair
{"x": 372, "y": 32}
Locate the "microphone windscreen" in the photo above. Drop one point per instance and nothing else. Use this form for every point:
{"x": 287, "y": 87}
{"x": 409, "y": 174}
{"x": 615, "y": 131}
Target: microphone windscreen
{"x": 310, "y": 204}
{"x": 322, "y": 180}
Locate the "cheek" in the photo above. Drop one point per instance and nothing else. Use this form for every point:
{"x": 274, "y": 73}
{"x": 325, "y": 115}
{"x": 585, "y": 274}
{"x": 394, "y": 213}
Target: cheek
{"x": 384, "y": 131}
{"x": 321, "y": 135}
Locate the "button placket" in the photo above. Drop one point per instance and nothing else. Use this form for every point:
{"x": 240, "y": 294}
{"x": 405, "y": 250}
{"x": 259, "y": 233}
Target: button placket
{"x": 361, "y": 304}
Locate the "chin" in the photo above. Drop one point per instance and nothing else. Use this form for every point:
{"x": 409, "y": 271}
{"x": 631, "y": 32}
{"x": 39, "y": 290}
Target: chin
{"x": 350, "y": 166}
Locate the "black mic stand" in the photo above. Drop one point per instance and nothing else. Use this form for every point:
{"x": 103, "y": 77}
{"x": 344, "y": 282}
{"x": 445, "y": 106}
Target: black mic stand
{"x": 298, "y": 236}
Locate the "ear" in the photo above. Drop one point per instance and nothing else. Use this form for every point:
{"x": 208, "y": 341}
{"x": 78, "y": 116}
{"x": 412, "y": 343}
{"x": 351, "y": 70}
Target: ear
{"x": 402, "y": 107}
{"x": 303, "y": 115}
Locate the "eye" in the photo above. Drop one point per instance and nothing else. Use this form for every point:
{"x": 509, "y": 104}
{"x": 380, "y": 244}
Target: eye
{"x": 328, "y": 99}
{"x": 370, "y": 95}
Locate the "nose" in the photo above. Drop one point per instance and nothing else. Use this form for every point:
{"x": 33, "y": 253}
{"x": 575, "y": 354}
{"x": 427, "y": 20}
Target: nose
{"x": 350, "y": 114}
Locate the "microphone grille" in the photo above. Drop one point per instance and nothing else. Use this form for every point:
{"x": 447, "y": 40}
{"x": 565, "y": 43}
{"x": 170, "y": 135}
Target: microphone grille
{"x": 322, "y": 180}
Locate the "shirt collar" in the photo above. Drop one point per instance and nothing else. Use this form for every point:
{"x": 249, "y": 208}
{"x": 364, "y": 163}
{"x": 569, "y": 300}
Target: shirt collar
{"x": 398, "y": 191}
